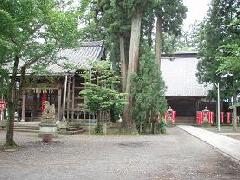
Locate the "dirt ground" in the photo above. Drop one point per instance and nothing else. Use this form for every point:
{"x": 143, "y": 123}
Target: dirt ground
{"x": 177, "y": 155}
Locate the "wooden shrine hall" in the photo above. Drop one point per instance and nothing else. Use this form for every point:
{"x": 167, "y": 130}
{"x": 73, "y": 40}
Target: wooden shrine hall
{"x": 61, "y": 86}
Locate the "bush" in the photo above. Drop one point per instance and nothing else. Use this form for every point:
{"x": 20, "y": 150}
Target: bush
{"x": 99, "y": 128}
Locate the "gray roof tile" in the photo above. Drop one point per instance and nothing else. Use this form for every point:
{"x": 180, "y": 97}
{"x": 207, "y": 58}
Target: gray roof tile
{"x": 77, "y": 58}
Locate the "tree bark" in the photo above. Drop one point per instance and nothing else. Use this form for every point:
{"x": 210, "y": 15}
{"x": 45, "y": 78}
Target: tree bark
{"x": 132, "y": 67}
{"x": 123, "y": 63}
{"x": 158, "y": 41}
{"x": 11, "y": 99}
{"x": 21, "y": 91}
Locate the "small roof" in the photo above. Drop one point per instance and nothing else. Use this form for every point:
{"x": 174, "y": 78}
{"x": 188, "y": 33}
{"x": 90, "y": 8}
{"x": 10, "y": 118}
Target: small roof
{"x": 70, "y": 60}
{"x": 84, "y": 55}
{"x": 179, "y": 74}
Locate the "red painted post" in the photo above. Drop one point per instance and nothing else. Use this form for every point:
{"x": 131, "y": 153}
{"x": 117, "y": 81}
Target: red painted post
{"x": 212, "y": 117}
{"x": 228, "y": 117}
{"x": 209, "y": 117}
{"x": 173, "y": 117}
{"x": 197, "y": 117}
{"x": 222, "y": 117}
{"x": 200, "y": 117}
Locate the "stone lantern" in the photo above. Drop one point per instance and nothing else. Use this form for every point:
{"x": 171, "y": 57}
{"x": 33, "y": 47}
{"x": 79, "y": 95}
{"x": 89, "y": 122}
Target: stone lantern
{"x": 205, "y": 115}
{"x": 48, "y": 126}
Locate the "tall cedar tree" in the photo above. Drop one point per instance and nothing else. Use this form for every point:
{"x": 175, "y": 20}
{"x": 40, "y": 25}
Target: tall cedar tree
{"x": 219, "y": 41}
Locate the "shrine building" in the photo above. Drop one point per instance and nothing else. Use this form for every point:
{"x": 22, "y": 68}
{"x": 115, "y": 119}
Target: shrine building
{"x": 60, "y": 85}
{"x": 184, "y": 93}
{"x": 64, "y": 82}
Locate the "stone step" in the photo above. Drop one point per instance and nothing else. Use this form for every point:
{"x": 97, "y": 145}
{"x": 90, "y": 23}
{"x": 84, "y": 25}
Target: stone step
{"x": 27, "y": 127}
{"x": 185, "y": 120}
{"x": 26, "y": 130}
{"x": 78, "y": 131}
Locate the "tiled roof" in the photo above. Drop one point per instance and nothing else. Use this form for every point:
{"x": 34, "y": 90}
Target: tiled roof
{"x": 71, "y": 60}
{"x": 179, "y": 74}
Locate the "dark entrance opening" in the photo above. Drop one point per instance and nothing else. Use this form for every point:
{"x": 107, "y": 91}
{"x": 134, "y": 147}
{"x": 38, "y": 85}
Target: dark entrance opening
{"x": 185, "y": 108}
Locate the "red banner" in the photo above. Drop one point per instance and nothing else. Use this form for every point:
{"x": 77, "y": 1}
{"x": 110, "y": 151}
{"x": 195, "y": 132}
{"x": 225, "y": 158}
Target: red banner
{"x": 43, "y": 99}
{"x": 3, "y": 105}
{"x": 199, "y": 117}
{"x": 173, "y": 117}
{"x": 228, "y": 117}
{"x": 212, "y": 117}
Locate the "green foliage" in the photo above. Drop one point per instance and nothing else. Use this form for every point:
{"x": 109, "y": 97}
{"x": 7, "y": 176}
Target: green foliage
{"x": 148, "y": 90}
{"x": 218, "y": 46}
{"x": 31, "y": 32}
{"x": 34, "y": 30}
{"x": 187, "y": 41}
{"x": 107, "y": 20}
{"x": 229, "y": 53}
{"x": 161, "y": 127}
{"x": 99, "y": 128}
{"x": 99, "y": 92}
{"x": 172, "y": 12}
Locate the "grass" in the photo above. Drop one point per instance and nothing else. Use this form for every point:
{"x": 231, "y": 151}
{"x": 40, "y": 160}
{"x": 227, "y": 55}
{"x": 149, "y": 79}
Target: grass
{"x": 114, "y": 130}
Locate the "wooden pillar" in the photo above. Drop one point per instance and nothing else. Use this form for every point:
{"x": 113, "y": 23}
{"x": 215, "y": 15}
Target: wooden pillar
{"x": 68, "y": 98}
{"x": 73, "y": 96}
{"x": 59, "y": 104}
{"x": 2, "y": 115}
{"x": 64, "y": 97}
{"x": 23, "y": 106}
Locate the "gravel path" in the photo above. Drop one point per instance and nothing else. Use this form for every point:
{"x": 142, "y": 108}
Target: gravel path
{"x": 173, "y": 156}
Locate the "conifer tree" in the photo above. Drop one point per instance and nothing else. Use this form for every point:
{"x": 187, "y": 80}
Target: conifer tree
{"x": 148, "y": 92}
{"x": 219, "y": 48}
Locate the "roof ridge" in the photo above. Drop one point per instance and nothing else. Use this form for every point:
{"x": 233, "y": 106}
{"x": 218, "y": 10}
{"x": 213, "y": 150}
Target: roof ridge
{"x": 91, "y": 43}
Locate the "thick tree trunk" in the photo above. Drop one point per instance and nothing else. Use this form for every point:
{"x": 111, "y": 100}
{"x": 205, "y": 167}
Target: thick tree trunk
{"x": 11, "y": 99}
{"x": 21, "y": 91}
{"x": 123, "y": 63}
{"x": 158, "y": 41}
{"x": 132, "y": 67}
{"x": 22, "y": 81}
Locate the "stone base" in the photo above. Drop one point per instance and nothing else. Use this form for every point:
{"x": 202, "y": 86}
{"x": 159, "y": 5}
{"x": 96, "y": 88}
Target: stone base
{"x": 47, "y": 137}
{"x": 3, "y": 123}
{"x": 62, "y": 125}
{"x": 47, "y": 131}
{"x": 104, "y": 128}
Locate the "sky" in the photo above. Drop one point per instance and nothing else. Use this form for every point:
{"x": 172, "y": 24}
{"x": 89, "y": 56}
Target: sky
{"x": 197, "y": 10}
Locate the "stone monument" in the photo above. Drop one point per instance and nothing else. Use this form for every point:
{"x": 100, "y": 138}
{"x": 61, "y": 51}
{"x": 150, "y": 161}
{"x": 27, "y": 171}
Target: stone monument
{"x": 205, "y": 116}
{"x": 169, "y": 115}
{"x": 48, "y": 126}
